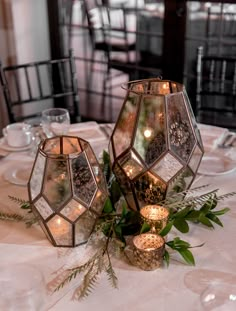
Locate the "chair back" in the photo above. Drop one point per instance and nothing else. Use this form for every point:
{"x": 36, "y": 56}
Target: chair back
{"x": 42, "y": 81}
{"x": 216, "y": 90}
{"x": 220, "y": 32}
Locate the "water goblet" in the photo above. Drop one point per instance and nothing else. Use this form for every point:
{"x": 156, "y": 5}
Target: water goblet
{"x": 55, "y": 121}
{"x": 219, "y": 296}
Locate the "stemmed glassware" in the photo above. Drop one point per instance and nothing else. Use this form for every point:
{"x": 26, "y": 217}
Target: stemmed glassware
{"x": 55, "y": 121}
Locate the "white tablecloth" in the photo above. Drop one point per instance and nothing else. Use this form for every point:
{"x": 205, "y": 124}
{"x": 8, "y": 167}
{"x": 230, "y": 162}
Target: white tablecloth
{"x": 175, "y": 288}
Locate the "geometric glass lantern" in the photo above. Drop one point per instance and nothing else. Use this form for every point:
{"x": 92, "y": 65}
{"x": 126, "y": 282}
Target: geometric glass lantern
{"x": 67, "y": 190}
{"x": 155, "y": 148}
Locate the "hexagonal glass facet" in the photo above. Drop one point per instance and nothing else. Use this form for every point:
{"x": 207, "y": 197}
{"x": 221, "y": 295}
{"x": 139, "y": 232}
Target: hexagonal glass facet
{"x": 125, "y": 125}
{"x": 73, "y": 210}
{"x": 61, "y": 230}
{"x": 83, "y": 184}
{"x": 167, "y": 167}
{"x": 56, "y": 187}
{"x": 150, "y": 139}
{"x": 36, "y": 179}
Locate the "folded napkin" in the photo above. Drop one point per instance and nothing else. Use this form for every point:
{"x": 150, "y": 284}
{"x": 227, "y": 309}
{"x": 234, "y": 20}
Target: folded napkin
{"x": 89, "y": 131}
{"x": 212, "y": 136}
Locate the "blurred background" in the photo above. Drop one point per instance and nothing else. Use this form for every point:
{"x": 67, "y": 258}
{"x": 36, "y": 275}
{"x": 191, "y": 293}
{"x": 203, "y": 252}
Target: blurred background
{"x": 115, "y": 41}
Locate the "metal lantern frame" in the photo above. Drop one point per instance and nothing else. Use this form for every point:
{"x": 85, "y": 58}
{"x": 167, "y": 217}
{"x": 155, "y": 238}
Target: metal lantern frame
{"x": 67, "y": 190}
{"x": 155, "y": 148}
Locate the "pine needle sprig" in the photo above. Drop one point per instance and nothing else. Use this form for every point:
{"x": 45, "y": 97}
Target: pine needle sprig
{"x": 11, "y": 217}
{"x": 112, "y": 278}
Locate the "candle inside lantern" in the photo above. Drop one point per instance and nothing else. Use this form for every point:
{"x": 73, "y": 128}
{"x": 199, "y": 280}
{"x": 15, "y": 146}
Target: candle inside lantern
{"x": 156, "y": 216}
{"x": 148, "y": 250}
{"x": 60, "y": 229}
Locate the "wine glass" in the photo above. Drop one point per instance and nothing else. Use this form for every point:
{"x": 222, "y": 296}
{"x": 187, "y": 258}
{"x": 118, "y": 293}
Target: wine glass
{"x": 22, "y": 287}
{"x": 219, "y": 296}
{"x": 55, "y": 121}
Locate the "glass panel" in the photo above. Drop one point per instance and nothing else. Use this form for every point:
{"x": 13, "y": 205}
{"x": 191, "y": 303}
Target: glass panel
{"x": 194, "y": 122}
{"x": 139, "y": 88}
{"x": 57, "y": 187}
{"x": 61, "y": 231}
{"x": 122, "y": 179}
{"x": 52, "y": 146}
{"x": 124, "y": 129}
{"x": 101, "y": 183}
{"x": 43, "y": 208}
{"x": 180, "y": 132}
{"x": 181, "y": 182}
{"x": 157, "y": 88}
{"x": 110, "y": 152}
{"x": 130, "y": 165}
{"x": 84, "y": 186}
{"x": 150, "y": 140}
{"x": 98, "y": 202}
{"x": 37, "y": 176}
{"x": 71, "y": 145}
{"x": 195, "y": 159}
{"x": 73, "y": 210}
{"x": 149, "y": 189}
{"x": 167, "y": 167}
{"x": 84, "y": 227}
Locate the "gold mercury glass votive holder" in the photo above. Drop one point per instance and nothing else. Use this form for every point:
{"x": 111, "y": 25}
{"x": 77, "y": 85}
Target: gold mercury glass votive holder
{"x": 156, "y": 216}
{"x": 148, "y": 251}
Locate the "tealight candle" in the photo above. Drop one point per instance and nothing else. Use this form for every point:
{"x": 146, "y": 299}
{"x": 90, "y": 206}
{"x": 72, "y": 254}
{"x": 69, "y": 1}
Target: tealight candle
{"x": 156, "y": 216}
{"x": 149, "y": 249}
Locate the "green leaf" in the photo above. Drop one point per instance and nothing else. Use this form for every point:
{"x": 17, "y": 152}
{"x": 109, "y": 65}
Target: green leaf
{"x": 125, "y": 211}
{"x": 215, "y": 219}
{"x": 221, "y": 212}
{"x": 167, "y": 229}
{"x": 108, "y": 208}
{"x": 145, "y": 228}
{"x": 181, "y": 225}
{"x": 119, "y": 233}
{"x": 209, "y": 205}
{"x": 193, "y": 215}
{"x": 166, "y": 257}
{"x": 205, "y": 221}
{"x": 187, "y": 256}
{"x": 115, "y": 192}
{"x": 178, "y": 244}
{"x": 182, "y": 213}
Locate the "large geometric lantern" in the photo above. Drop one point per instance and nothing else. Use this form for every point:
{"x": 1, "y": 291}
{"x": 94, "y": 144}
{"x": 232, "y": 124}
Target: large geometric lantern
{"x": 67, "y": 190}
{"x": 156, "y": 147}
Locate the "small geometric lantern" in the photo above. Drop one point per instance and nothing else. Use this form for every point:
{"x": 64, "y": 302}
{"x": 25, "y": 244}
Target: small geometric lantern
{"x": 156, "y": 147}
{"x": 67, "y": 190}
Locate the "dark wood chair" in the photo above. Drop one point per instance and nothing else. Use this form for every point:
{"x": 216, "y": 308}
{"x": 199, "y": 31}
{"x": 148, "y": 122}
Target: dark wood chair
{"x": 216, "y": 90}
{"x": 220, "y": 32}
{"x": 28, "y": 87}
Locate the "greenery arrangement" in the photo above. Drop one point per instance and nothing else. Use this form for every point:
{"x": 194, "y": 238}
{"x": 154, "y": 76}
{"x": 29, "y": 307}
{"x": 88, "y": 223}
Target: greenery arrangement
{"x": 117, "y": 223}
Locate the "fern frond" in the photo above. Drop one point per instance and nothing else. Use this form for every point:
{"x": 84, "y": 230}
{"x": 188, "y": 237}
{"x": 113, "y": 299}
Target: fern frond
{"x": 11, "y": 217}
{"x": 198, "y": 200}
{"x": 112, "y": 278}
{"x": 18, "y": 200}
{"x": 181, "y": 194}
{"x": 225, "y": 196}
{"x": 88, "y": 284}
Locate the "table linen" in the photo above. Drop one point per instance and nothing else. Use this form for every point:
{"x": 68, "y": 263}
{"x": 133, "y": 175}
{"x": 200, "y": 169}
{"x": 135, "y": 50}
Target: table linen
{"x": 178, "y": 287}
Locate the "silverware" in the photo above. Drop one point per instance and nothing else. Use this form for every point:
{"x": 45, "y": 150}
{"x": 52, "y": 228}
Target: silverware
{"x": 228, "y": 140}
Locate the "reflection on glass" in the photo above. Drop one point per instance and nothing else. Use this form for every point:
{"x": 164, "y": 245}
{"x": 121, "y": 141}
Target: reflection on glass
{"x": 84, "y": 186}
{"x": 56, "y": 183}
{"x": 37, "y": 176}
{"x": 73, "y": 210}
{"x": 125, "y": 124}
{"x": 150, "y": 138}
{"x": 61, "y": 230}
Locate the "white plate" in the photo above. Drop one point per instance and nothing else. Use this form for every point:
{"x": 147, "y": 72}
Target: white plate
{"x": 6, "y": 147}
{"x": 18, "y": 174}
{"x": 214, "y": 164}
